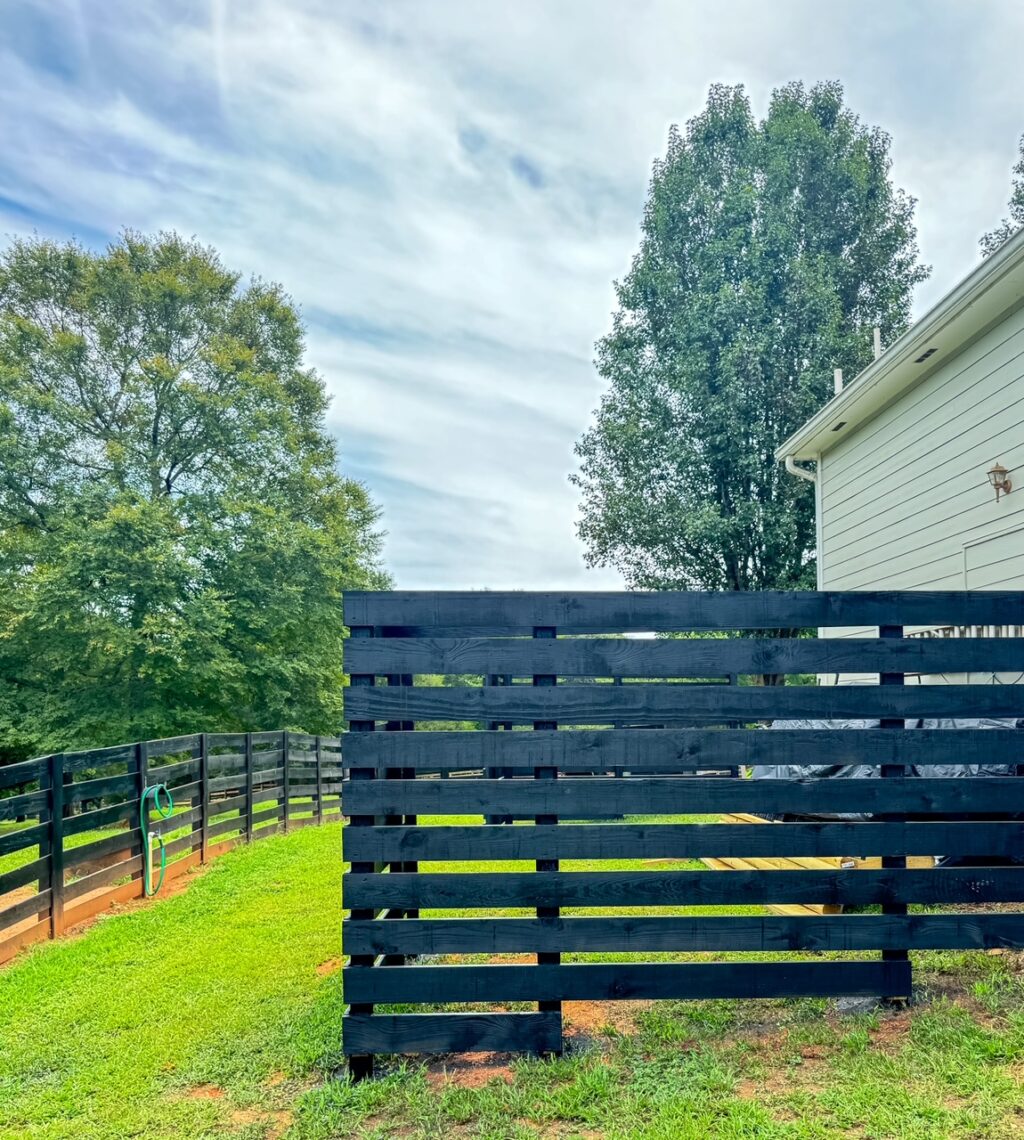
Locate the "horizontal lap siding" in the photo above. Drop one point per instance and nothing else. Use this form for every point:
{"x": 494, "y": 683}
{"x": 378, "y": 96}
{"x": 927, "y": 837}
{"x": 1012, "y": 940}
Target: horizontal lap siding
{"x": 904, "y": 494}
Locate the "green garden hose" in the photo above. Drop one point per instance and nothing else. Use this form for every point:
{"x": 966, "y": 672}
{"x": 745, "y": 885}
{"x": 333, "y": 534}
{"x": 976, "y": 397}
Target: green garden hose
{"x": 163, "y": 805}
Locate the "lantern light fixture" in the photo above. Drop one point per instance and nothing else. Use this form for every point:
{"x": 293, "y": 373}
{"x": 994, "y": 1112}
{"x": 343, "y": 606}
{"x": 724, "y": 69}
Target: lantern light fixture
{"x": 997, "y": 476}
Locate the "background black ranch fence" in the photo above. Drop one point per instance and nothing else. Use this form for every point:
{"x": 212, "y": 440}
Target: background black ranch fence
{"x": 70, "y": 843}
{"x": 538, "y": 680}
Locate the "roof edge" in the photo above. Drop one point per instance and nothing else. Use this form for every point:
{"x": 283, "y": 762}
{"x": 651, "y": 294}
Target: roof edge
{"x": 903, "y": 350}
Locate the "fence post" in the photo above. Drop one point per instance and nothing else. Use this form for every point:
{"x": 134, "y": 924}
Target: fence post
{"x": 360, "y": 1066}
{"x": 248, "y": 787}
{"x": 204, "y": 797}
{"x": 142, "y": 782}
{"x": 894, "y": 862}
{"x": 319, "y": 783}
{"x": 56, "y": 844}
{"x": 550, "y": 913}
{"x": 286, "y": 747}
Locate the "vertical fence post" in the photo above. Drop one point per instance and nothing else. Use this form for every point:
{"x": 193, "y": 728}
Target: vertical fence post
{"x": 204, "y": 797}
{"x": 142, "y": 782}
{"x": 402, "y": 679}
{"x": 286, "y": 748}
{"x": 549, "y": 913}
{"x": 319, "y": 782}
{"x": 895, "y": 862}
{"x": 57, "y": 845}
{"x": 249, "y": 763}
{"x": 360, "y": 1066}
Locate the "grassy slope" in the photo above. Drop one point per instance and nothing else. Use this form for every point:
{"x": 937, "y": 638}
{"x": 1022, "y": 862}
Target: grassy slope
{"x": 135, "y": 1028}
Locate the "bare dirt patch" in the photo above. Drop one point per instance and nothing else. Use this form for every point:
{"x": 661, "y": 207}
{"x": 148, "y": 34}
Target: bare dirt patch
{"x": 331, "y": 966}
{"x": 470, "y": 1070}
{"x": 205, "y": 1092}
{"x": 592, "y": 1017}
{"x": 275, "y": 1123}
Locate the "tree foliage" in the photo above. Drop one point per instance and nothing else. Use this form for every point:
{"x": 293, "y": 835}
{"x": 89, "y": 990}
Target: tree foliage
{"x": 991, "y": 241}
{"x": 769, "y": 251}
{"x": 174, "y": 534}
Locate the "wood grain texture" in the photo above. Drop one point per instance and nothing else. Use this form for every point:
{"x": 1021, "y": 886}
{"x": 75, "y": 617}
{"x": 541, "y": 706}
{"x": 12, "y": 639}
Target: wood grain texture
{"x": 517, "y": 614}
{"x": 670, "y": 749}
{"x": 582, "y": 798}
{"x": 686, "y": 935}
{"x": 699, "y": 657}
{"x": 655, "y": 703}
{"x": 682, "y": 888}
{"x": 680, "y": 841}
{"x": 451, "y": 1033}
{"x": 624, "y": 981}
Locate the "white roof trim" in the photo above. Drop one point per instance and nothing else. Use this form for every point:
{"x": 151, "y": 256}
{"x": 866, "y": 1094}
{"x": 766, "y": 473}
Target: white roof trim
{"x": 994, "y": 288}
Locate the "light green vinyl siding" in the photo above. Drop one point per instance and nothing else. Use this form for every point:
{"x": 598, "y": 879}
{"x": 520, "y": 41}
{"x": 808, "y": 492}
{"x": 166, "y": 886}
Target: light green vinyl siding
{"x": 905, "y": 502}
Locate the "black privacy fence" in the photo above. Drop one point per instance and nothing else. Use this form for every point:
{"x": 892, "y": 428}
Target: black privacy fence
{"x": 70, "y": 836}
{"x": 600, "y": 747}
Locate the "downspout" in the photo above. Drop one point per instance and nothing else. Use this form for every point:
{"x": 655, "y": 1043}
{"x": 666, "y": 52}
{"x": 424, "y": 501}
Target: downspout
{"x": 800, "y": 472}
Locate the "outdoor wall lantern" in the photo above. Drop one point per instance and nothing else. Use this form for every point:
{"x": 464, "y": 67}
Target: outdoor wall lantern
{"x": 997, "y": 476}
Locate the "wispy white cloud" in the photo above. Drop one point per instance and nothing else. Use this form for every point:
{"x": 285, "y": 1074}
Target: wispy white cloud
{"x": 448, "y": 189}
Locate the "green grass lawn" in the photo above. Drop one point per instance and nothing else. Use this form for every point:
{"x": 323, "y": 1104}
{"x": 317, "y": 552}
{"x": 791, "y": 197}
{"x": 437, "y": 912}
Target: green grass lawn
{"x": 215, "y": 1013}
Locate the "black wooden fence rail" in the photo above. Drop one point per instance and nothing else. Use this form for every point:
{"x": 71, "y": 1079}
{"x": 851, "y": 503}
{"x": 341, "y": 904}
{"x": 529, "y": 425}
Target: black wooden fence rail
{"x": 70, "y": 842}
{"x": 548, "y": 682}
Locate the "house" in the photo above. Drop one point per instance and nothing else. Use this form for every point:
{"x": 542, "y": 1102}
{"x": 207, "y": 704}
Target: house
{"x": 905, "y": 458}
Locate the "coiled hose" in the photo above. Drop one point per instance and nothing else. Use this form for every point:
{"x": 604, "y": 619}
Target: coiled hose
{"x": 158, "y": 799}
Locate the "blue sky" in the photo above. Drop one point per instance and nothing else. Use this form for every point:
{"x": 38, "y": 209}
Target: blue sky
{"x": 448, "y": 190}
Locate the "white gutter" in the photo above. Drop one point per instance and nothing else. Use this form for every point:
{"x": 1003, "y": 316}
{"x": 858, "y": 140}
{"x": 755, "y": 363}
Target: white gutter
{"x": 800, "y": 472}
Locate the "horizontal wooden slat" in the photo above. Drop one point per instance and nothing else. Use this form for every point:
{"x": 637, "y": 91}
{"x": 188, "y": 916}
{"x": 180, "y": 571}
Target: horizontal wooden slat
{"x": 624, "y": 981}
{"x": 696, "y": 657}
{"x": 83, "y": 790}
{"x": 126, "y": 841}
{"x": 656, "y": 703}
{"x": 183, "y": 843}
{"x": 676, "y": 934}
{"x": 102, "y": 817}
{"x": 234, "y": 740}
{"x": 582, "y": 798}
{"x": 223, "y": 826}
{"x": 26, "y": 803}
{"x": 667, "y": 749}
{"x": 128, "y": 868}
{"x": 272, "y": 737}
{"x": 24, "y": 772}
{"x": 98, "y": 757}
{"x": 512, "y": 613}
{"x": 451, "y": 1033}
{"x": 682, "y": 888}
{"x": 170, "y": 773}
{"x": 678, "y": 841}
{"x": 23, "y": 837}
{"x": 173, "y": 744}
{"x": 27, "y": 873}
{"x": 26, "y": 908}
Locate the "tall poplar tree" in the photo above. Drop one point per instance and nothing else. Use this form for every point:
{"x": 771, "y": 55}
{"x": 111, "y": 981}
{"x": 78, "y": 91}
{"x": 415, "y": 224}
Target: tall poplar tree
{"x": 769, "y": 252}
{"x": 991, "y": 241}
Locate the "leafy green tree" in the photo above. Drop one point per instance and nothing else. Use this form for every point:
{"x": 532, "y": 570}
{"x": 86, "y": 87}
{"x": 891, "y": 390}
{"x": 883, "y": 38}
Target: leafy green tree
{"x": 174, "y": 534}
{"x": 991, "y": 241}
{"x": 769, "y": 251}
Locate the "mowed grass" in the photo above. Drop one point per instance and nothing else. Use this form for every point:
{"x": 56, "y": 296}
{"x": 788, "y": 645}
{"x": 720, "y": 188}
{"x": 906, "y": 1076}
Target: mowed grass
{"x": 216, "y": 1012}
